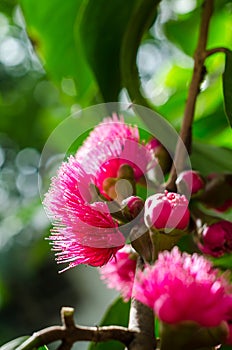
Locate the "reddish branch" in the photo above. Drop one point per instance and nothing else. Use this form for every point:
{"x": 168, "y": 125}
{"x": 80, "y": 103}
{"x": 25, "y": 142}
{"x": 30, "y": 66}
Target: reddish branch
{"x": 194, "y": 89}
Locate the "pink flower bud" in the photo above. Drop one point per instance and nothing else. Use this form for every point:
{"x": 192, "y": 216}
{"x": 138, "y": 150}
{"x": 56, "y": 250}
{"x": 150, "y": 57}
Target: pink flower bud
{"x": 161, "y": 154}
{"x": 190, "y": 182}
{"x": 132, "y": 206}
{"x": 217, "y": 238}
{"x": 218, "y": 192}
{"x": 153, "y": 144}
{"x": 167, "y": 210}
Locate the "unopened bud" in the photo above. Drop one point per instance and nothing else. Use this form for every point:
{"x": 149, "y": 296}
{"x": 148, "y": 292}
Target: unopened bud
{"x": 190, "y": 182}
{"x": 218, "y": 192}
{"x": 216, "y": 239}
{"x": 125, "y": 171}
{"x": 132, "y": 206}
{"x": 167, "y": 210}
{"x": 161, "y": 154}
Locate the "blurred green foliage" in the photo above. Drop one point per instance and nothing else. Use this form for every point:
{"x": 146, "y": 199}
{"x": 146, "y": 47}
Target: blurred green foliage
{"x": 57, "y": 57}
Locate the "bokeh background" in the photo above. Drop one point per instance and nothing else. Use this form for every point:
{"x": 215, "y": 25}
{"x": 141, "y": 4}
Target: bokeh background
{"x": 37, "y": 92}
{"x": 31, "y": 106}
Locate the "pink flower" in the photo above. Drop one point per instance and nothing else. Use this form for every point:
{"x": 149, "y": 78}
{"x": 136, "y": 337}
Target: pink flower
{"x": 109, "y": 146}
{"x": 190, "y": 181}
{"x": 182, "y": 287}
{"x": 217, "y": 238}
{"x": 83, "y": 233}
{"x": 167, "y": 210}
{"x": 119, "y": 273}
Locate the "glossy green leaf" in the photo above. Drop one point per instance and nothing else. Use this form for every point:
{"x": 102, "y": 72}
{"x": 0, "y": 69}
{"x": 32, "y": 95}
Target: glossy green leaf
{"x": 209, "y": 158}
{"x": 227, "y": 86}
{"x": 102, "y": 28}
{"x": 140, "y": 20}
{"x": 117, "y": 314}
{"x": 13, "y": 344}
{"x": 54, "y": 39}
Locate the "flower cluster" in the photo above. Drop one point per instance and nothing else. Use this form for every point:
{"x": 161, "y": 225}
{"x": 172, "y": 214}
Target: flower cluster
{"x": 95, "y": 212}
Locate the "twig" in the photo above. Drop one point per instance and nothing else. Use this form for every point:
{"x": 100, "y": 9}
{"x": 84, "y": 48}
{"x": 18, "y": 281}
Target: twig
{"x": 141, "y": 321}
{"x": 194, "y": 88}
{"x": 69, "y": 333}
{"x": 215, "y": 50}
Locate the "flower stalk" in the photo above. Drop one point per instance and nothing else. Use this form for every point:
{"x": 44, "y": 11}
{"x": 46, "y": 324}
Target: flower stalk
{"x": 141, "y": 321}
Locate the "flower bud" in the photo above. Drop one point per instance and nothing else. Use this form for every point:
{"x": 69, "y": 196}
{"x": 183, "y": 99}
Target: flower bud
{"x": 167, "y": 210}
{"x": 132, "y": 206}
{"x": 190, "y": 182}
{"x": 218, "y": 192}
{"x": 217, "y": 238}
{"x": 161, "y": 154}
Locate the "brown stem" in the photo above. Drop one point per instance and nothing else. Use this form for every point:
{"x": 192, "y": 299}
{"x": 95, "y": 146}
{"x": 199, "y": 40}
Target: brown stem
{"x": 215, "y": 50}
{"x": 194, "y": 88}
{"x": 141, "y": 321}
{"x": 69, "y": 333}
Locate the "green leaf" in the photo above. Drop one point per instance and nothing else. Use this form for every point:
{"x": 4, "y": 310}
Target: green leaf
{"x": 54, "y": 39}
{"x": 179, "y": 31}
{"x": 102, "y": 28}
{"x": 117, "y": 314}
{"x": 227, "y": 86}
{"x": 210, "y": 125}
{"x": 226, "y": 347}
{"x": 13, "y": 344}
{"x": 141, "y": 19}
{"x": 208, "y": 159}
{"x": 224, "y": 262}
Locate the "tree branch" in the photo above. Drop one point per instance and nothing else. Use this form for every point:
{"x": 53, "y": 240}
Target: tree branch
{"x": 69, "y": 333}
{"x": 194, "y": 88}
{"x": 141, "y": 321}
